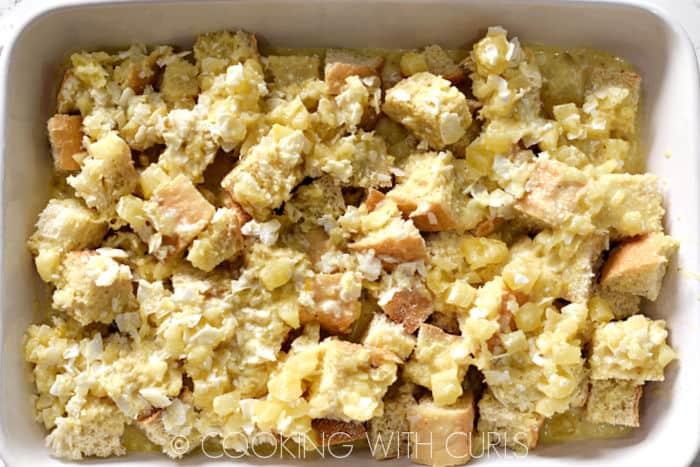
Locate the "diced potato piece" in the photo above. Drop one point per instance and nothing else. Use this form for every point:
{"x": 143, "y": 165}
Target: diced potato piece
{"x": 341, "y": 64}
{"x": 292, "y": 69}
{"x": 265, "y": 177}
{"x": 442, "y": 435}
{"x": 638, "y": 266}
{"x": 335, "y": 301}
{"x": 94, "y": 288}
{"x": 220, "y": 241}
{"x": 634, "y": 349}
{"x": 66, "y": 224}
{"x": 330, "y": 432}
{"x": 439, "y": 363}
{"x": 385, "y": 334}
{"x": 428, "y": 105}
{"x": 179, "y": 212}
{"x": 66, "y": 138}
{"x": 179, "y": 87}
{"x": 615, "y": 402}
{"x": 107, "y": 174}
{"x": 632, "y": 204}
{"x": 353, "y": 380}
{"x": 553, "y": 193}
{"x": 214, "y": 52}
{"x": 409, "y": 307}
{"x": 516, "y": 429}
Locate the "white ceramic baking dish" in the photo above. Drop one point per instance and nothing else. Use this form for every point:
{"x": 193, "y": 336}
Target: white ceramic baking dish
{"x": 646, "y": 37}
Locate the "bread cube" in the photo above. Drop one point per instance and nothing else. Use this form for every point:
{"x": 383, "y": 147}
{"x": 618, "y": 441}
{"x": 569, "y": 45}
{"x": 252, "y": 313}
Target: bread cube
{"x": 107, "y": 174}
{"x": 427, "y": 104}
{"x": 330, "y": 432}
{"x": 178, "y": 212}
{"x": 66, "y": 138}
{"x": 634, "y": 349}
{"x": 441, "y": 64}
{"x": 439, "y": 363}
{"x": 167, "y": 427}
{"x": 360, "y": 159}
{"x": 632, "y": 204}
{"x": 179, "y": 86}
{"x": 94, "y": 287}
{"x": 66, "y": 224}
{"x": 426, "y": 193}
{"x": 137, "y": 70}
{"x": 292, "y": 69}
{"x": 214, "y": 52}
{"x": 353, "y": 380}
{"x": 409, "y": 307}
{"x": 442, "y": 435}
{"x": 615, "y": 402}
{"x": 638, "y": 266}
{"x": 619, "y": 109}
{"x": 516, "y": 429}
{"x": 264, "y": 178}
{"x": 385, "y": 334}
{"x": 334, "y": 301}
{"x": 311, "y": 203}
{"x": 389, "y": 434}
{"x": 95, "y": 430}
{"x": 340, "y": 64}
{"x": 552, "y": 194}
{"x": 391, "y": 237}
{"x": 622, "y": 305}
{"x": 220, "y": 241}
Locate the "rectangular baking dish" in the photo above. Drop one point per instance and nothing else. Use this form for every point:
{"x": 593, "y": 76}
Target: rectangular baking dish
{"x": 646, "y": 37}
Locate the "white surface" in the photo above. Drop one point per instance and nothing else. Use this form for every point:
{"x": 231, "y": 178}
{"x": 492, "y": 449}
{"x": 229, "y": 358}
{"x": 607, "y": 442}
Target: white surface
{"x": 671, "y": 415}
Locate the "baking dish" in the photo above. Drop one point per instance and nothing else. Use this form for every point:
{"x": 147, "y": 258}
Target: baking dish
{"x": 658, "y": 48}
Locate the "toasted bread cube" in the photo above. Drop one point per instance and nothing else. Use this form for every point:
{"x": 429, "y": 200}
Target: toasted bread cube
{"x": 426, "y": 193}
{"x": 439, "y": 63}
{"x": 515, "y": 429}
{"x": 638, "y": 266}
{"x": 95, "y": 430}
{"x": 66, "y": 224}
{"x": 220, "y": 241}
{"x": 552, "y": 193}
{"x": 623, "y": 121}
{"x": 136, "y": 72}
{"x": 265, "y": 177}
{"x": 214, "y": 52}
{"x": 93, "y": 287}
{"x": 385, "y": 334}
{"x": 442, "y": 435}
{"x": 388, "y": 435}
{"x": 615, "y": 402}
{"x": 632, "y": 204}
{"x": 311, "y": 203}
{"x": 389, "y": 235}
{"x": 335, "y": 301}
{"x": 68, "y": 93}
{"x": 408, "y": 307}
{"x": 107, "y": 174}
{"x": 66, "y": 138}
{"x": 292, "y": 69}
{"x": 439, "y": 363}
{"x": 178, "y": 212}
{"x": 347, "y": 371}
{"x": 634, "y": 349}
{"x": 428, "y": 105}
{"x": 341, "y": 64}
{"x": 179, "y": 86}
{"x": 331, "y": 432}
